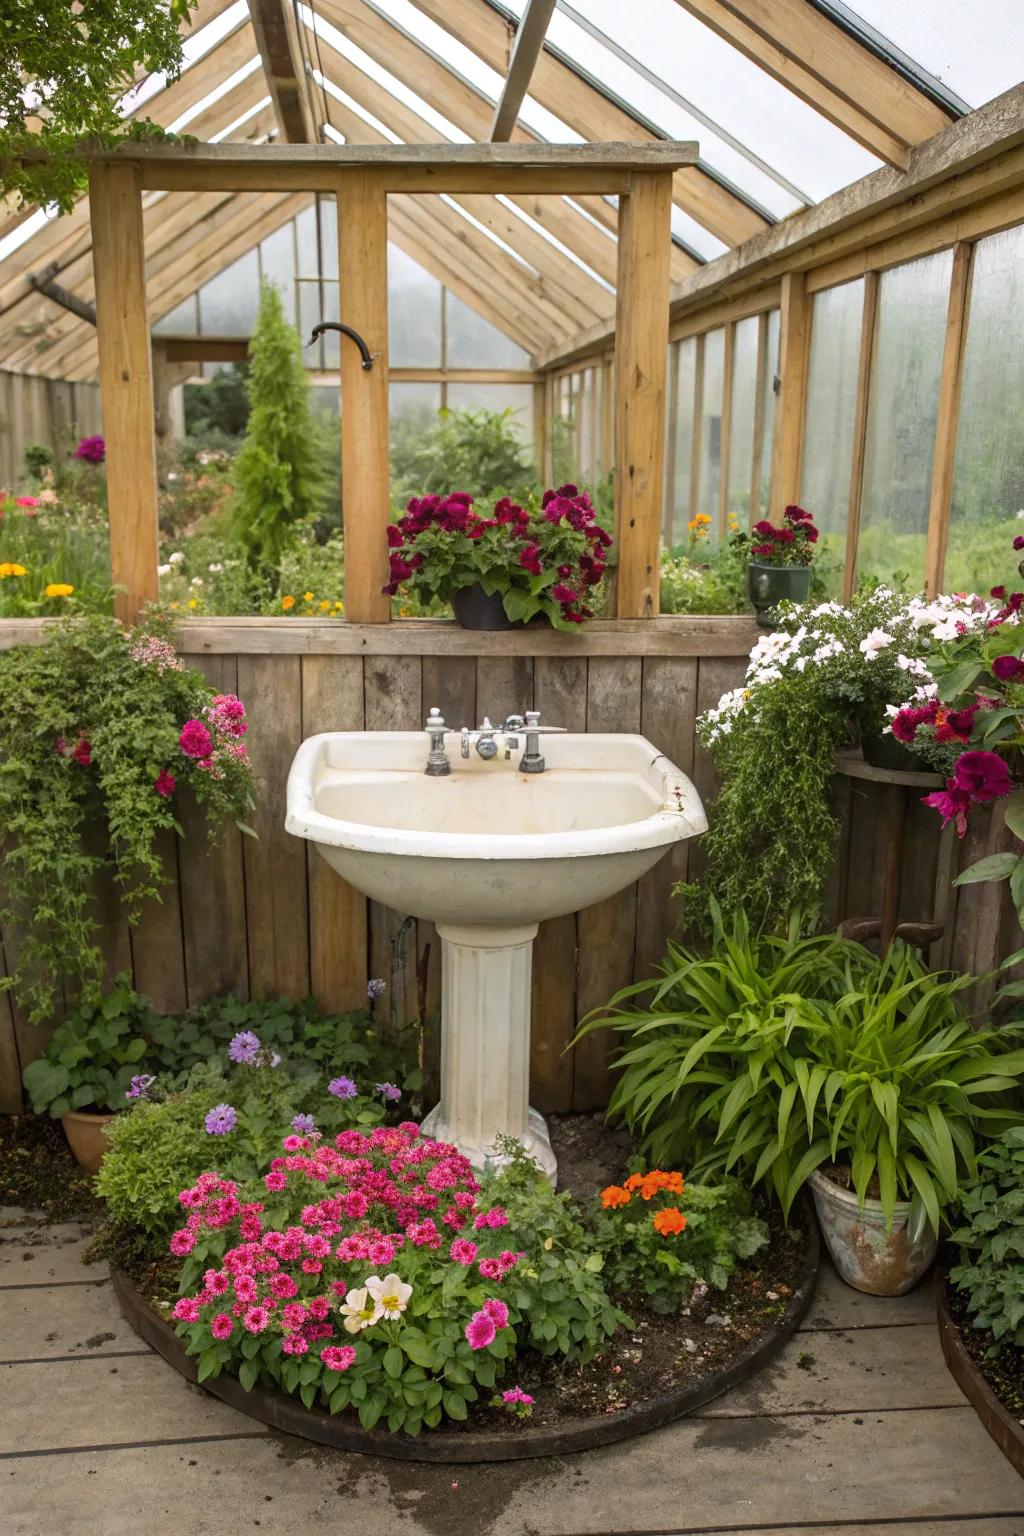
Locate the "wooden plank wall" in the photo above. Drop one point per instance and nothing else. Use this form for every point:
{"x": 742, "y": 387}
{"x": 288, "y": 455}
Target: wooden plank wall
{"x": 267, "y": 917}
{"x": 38, "y": 410}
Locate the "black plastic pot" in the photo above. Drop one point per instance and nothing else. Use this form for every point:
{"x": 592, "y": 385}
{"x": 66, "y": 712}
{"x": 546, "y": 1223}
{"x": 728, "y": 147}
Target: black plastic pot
{"x": 882, "y": 750}
{"x": 770, "y": 585}
{"x": 475, "y": 610}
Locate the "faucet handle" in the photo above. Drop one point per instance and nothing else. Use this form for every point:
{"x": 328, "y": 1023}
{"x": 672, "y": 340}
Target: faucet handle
{"x": 533, "y": 717}
{"x": 514, "y": 723}
{"x": 435, "y": 721}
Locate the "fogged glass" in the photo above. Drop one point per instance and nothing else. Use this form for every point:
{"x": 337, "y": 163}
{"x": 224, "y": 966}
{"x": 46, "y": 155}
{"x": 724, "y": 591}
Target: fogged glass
{"x": 988, "y": 479}
{"x": 472, "y": 342}
{"x": 679, "y": 457}
{"x": 306, "y": 244}
{"x": 277, "y": 265}
{"x": 413, "y": 406}
{"x": 902, "y": 410}
{"x": 182, "y": 320}
{"x": 976, "y": 47}
{"x": 518, "y": 398}
{"x": 742, "y": 411}
{"x": 763, "y": 446}
{"x": 228, "y": 302}
{"x": 836, "y": 321}
{"x": 710, "y": 478}
{"x": 414, "y": 313}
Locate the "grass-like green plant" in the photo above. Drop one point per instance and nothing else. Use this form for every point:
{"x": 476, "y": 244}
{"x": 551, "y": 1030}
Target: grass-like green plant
{"x": 774, "y": 1056}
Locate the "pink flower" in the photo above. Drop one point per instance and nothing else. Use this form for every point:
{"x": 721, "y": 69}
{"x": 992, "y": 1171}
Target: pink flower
{"x": 256, "y": 1319}
{"x": 186, "y": 1310}
{"x": 283, "y": 1287}
{"x": 195, "y": 740}
{"x": 952, "y": 804}
{"x": 984, "y": 775}
{"x": 295, "y": 1344}
{"x": 492, "y": 1269}
{"x": 165, "y": 783}
{"x": 275, "y": 1181}
{"x": 462, "y": 1251}
{"x": 222, "y": 1327}
{"x": 497, "y": 1311}
{"x": 338, "y": 1357}
{"x": 182, "y": 1242}
{"x": 495, "y": 1217}
{"x": 480, "y": 1331}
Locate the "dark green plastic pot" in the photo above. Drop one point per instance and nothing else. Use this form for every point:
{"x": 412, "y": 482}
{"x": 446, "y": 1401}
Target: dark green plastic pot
{"x": 770, "y": 585}
{"x": 474, "y": 609}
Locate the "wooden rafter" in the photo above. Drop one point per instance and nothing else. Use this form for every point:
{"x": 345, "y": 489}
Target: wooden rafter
{"x": 469, "y": 110}
{"x": 533, "y": 25}
{"x": 284, "y": 68}
{"x": 593, "y": 115}
{"x": 806, "y": 52}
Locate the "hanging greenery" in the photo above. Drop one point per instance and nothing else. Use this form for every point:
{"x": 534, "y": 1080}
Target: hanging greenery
{"x": 65, "y": 73}
{"x": 102, "y": 729}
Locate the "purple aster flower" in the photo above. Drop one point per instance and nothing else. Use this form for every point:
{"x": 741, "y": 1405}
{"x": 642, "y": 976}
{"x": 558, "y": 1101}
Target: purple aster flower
{"x": 304, "y": 1125}
{"x": 342, "y": 1088}
{"x": 140, "y": 1086}
{"x": 375, "y": 988}
{"x": 388, "y": 1091}
{"x": 221, "y": 1119}
{"x": 244, "y": 1047}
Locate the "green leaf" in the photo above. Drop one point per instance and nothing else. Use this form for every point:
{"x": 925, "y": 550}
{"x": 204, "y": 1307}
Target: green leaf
{"x": 209, "y": 1364}
{"x": 454, "y": 1406}
{"x": 998, "y": 866}
{"x": 1013, "y": 813}
{"x": 394, "y": 1362}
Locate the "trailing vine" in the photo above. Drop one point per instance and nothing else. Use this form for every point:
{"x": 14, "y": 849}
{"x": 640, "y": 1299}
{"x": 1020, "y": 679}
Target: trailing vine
{"x": 103, "y": 729}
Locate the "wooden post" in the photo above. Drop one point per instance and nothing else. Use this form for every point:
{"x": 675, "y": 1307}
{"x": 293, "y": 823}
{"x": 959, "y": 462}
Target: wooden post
{"x": 757, "y": 456}
{"x": 948, "y": 418}
{"x": 641, "y": 347}
{"x": 365, "y": 488}
{"x": 126, "y": 384}
{"x": 869, "y": 316}
{"x": 788, "y": 434}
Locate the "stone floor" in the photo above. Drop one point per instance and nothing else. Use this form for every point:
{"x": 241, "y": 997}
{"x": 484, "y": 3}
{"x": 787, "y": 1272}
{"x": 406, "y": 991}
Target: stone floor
{"x": 856, "y": 1429}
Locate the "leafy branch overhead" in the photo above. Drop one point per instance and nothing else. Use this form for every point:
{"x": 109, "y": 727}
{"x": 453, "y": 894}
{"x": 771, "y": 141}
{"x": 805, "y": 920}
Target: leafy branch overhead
{"x": 67, "y": 74}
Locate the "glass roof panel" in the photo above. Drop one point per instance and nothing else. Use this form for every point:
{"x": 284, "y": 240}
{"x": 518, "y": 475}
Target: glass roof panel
{"x": 975, "y": 47}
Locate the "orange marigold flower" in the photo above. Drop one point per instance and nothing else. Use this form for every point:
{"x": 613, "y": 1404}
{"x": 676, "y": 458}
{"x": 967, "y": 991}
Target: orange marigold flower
{"x": 669, "y": 1221}
{"x": 634, "y": 1181}
{"x": 614, "y": 1195}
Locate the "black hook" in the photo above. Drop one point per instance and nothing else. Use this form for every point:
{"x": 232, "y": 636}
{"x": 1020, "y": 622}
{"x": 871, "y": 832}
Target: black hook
{"x": 346, "y": 330}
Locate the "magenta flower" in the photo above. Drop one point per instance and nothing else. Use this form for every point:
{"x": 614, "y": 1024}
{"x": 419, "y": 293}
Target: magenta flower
{"x": 497, "y": 1311}
{"x": 1009, "y": 669}
{"x": 221, "y": 1326}
{"x": 983, "y": 775}
{"x": 195, "y": 740}
{"x": 165, "y": 784}
{"x": 952, "y": 804}
{"x": 91, "y": 450}
{"x": 462, "y": 1251}
{"x": 480, "y": 1331}
{"x": 338, "y": 1357}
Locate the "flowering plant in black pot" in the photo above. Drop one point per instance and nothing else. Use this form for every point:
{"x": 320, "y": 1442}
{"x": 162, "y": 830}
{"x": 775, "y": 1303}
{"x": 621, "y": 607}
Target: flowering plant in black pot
{"x": 516, "y": 565}
{"x": 780, "y": 561}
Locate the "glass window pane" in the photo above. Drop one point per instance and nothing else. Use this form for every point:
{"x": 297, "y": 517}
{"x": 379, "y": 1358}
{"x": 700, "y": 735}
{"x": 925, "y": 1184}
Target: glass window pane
{"x": 975, "y": 49}
{"x": 277, "y": 265}
{"x": 768, "y": 417}
{"x": 741, "y": 415}
{"x": 831, "y": 406}
{"x": 988, "y": 479}
{"x": 414, "y": 313}
{"x": 902, "y": 410}
{"x": 310, "y": 312}
{"x": 229, "y": 301}
{"x": 305, "y": 239}
{"x": 412, "y": 406}
{"x": 472, "y": 342}
{"x": 182, "y": 320}
{"x": 711, "y": 427}
{"x": 328, "y": 236}
{"x": 497, "y": 397}
{"x": 683, "y": 358}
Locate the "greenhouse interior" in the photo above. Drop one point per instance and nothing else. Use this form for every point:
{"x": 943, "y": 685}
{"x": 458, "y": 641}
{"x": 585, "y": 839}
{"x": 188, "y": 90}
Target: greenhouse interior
{"x": 512, "y": 767}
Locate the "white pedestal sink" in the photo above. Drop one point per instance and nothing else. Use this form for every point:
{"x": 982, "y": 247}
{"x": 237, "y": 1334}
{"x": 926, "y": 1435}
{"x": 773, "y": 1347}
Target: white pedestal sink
{"x": 487, "y": 853}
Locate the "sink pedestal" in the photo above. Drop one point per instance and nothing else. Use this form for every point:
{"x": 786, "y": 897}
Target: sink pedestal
{"x": 485, "y": 1044}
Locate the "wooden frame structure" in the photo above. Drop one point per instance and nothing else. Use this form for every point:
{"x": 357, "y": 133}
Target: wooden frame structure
{"x": 362, "y": 179}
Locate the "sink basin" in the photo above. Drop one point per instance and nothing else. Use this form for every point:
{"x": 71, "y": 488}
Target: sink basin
{"x": 487, "y": 853}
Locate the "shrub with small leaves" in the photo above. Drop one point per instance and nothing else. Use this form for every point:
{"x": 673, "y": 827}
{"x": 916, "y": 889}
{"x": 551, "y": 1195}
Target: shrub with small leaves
{"x": 991, "y": 1243}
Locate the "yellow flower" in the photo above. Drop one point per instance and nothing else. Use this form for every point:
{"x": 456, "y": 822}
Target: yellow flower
{"x": 57, "y": 589}
{"x": 307, "y": 597}
{"x": 325, "y": 605}
{"x": 193, "y": 602}
{"x": 339, "y": 606}
{"x": 12, "y": 568}
{"x": 405, "y": 613}
{"x": 287, "y": 602}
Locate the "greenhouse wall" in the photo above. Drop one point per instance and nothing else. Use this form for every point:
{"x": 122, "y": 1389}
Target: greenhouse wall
{"x": 51, "y": 412}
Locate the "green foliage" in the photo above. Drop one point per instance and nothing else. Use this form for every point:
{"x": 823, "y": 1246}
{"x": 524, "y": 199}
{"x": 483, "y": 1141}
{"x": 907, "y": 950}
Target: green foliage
{"x": 663, "y": 1266}
{"x": 219, "y": 407}
{"x": 91, "y": 1058}
{"x": 558, "y": 1289}
{"x": 772, "y": 1056}
{"x": 279, "y": 471}
{"x": 478, "y": 451}
{"x": 702, "y": 577}
{"x": 991, "y": 1243}
{"x": 90, "y": 722}
{"x": 63, "y": 72}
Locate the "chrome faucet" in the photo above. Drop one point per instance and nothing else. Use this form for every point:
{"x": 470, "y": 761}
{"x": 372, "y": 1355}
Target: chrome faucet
{"x": 484, "y": 738}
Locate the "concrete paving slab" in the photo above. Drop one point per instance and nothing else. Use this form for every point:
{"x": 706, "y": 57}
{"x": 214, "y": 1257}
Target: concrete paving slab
{"x": 39, "y": 1255}
{"x": 99, "y": 1402}
{"x": 62, "y": 1320}
{"x": 864, "y": 1369}
{"x": 837, "y": 1305}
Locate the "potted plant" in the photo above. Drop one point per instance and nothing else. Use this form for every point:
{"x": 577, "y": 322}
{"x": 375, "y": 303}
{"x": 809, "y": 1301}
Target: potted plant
{"x": 510, "y": 568}
{"x": 791, "y": 1061}
{"x": 91, "y": 1067}
{"x": 779, "y": 569}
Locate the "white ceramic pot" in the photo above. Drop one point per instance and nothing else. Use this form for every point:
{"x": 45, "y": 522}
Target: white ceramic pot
{"x": 869, "y": 1257}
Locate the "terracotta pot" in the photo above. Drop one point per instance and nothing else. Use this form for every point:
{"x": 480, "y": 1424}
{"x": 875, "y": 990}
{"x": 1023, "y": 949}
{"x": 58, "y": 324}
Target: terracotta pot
{"x": 87, "y": 1137}
{"x": 867, "y": 1256}
{"x": 769, "y": 585}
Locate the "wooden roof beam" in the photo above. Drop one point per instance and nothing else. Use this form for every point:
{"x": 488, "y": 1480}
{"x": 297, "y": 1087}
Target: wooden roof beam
{"x": 533, "y": 25}
{"x": 284, "y": 67}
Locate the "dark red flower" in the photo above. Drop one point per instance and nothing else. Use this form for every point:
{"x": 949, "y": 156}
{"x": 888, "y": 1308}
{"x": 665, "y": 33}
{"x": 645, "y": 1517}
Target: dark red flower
{"x": 1018, "y": 542}
{"x": 794, "y": 514}
{"x": 395, "y": 539}
{"x": 952, "y": 804}
{"x": 982, "y": 775}
{"x": 1009, "y": 669}
{"x": 81, "y": 752}
{"x": 905, "y": 724}
{"x": 562, "y": 593}
{"x": 764, "y": 528}
{"x": 999, "y": 592}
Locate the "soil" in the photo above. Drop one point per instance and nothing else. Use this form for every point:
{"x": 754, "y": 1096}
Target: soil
{"x": 1003, "y": 1372}
{"x": 842, "y": 1175}
{"x": 38, "y": 1172}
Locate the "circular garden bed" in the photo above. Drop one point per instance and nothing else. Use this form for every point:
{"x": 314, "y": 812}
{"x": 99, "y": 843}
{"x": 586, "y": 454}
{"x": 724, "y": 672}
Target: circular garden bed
{"x": 993, "y": 1387}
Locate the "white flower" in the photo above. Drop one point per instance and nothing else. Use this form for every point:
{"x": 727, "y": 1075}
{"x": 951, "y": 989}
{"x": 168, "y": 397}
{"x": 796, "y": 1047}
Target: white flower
{"x": 215, "y": 569}
{"x": 391, "y": 1294}
{"x": 877, "y": 640}
{"x": 163, "y": 570}
{"x": 947, "y": 630}
{"x": 177, "y": 558}
{"x": 196, "y": 581}
{"x": 913, "y": 665}
{"x": 360, "y": 1310}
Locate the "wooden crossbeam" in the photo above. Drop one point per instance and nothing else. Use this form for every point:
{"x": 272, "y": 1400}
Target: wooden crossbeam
{"x": 284, "y": 68}
{"x": 533, "y": 25}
